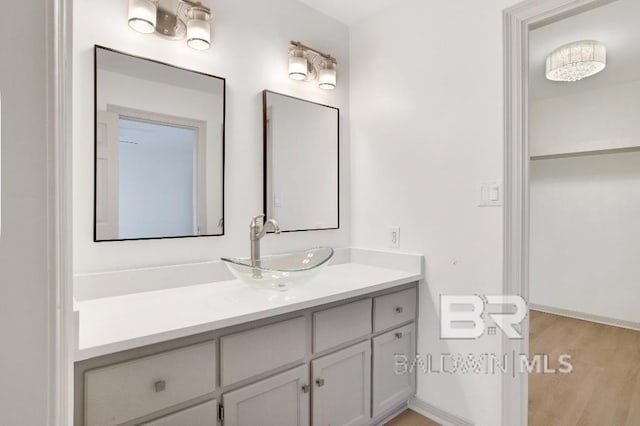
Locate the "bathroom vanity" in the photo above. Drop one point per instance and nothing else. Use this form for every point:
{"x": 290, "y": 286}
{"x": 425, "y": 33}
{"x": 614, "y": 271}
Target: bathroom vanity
{"x": 224, "y": 353}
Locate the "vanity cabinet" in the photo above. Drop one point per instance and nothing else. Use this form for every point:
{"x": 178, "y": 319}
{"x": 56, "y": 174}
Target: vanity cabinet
{"x": 333, "y": 364}
{"x": 342, "y": 387}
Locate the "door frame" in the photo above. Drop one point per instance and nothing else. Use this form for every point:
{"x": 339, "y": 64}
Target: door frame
{"x": 200, "y": 181}
{"x": 518, "y": 20}
{"x": 59, "y": 212}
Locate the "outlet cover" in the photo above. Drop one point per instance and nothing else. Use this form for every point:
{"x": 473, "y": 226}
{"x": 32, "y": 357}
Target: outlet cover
{"x": 394, "y": 236}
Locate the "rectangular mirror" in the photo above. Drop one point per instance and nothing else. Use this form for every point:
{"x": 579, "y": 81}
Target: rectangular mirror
{"x": 301, "y": 176}
{"x": 159, "y": 150}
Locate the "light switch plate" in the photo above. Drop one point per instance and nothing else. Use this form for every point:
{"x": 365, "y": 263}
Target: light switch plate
{"x": 394, "y": 236}
{"x": 490, "y": 193}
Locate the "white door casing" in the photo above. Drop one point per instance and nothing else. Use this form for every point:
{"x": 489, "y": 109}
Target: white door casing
{"x": 107, "y": 181}
{"x": 517, "y": 22}
{"x": 200, "y": 162}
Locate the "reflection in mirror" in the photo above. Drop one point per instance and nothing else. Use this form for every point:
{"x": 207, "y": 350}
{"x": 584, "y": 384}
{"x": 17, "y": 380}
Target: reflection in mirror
{"x": 159, "y": 165}
{"x": 301, "y": 177}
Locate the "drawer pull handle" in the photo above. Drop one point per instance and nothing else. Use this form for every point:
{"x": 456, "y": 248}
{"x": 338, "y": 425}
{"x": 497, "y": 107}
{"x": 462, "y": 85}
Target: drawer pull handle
{"x": 306, "y": 388}
{"x": 399, "y": 309}
{"x": 160, "y": 385}
{"x": 320, "y": 382}
{"x": 399, "y": 335}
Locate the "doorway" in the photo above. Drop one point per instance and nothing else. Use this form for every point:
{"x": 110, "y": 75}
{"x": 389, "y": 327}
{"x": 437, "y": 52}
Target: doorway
{"x": 584, "y": 205}
{"x": 568, "y": 192}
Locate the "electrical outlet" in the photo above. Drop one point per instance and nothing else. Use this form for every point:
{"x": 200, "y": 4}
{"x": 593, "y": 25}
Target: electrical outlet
{"x": 394, "y": 236}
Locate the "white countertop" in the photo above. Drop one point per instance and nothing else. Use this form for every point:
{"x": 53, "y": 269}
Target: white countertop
{"x": 111, "y": 324}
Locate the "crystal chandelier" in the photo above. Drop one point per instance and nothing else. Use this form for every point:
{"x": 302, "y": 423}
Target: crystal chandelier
{"x": 575, "y": 61}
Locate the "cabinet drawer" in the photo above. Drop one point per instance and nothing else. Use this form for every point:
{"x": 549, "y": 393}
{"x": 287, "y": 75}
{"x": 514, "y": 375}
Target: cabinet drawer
{"x": 393, "y": 384}
{"x": 249, "y": 353}
{"x": 341, "y": 324}
{"x": 201, "y": 415}
{"x": 123, "y": 392}
{"x": 394, "y": 309}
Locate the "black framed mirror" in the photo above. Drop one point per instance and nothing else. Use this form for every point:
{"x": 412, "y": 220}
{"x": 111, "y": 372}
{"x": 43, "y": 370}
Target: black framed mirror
{"x": 301, "y": 163}
{"x": 159, "y": 149}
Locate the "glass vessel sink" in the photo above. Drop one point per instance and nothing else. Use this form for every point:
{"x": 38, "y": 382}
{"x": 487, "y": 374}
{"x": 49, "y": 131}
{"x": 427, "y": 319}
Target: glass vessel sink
{"x": 281, "y": 271}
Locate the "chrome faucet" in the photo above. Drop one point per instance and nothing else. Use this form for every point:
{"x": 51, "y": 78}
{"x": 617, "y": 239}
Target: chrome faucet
{"x": 257, "y": 231}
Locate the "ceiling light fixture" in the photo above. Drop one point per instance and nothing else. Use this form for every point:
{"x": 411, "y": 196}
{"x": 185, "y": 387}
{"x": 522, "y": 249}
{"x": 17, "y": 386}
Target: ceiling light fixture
{"x": 575, "y": 61}
{"x": 173, "y": 20}
{"x": 307, "y": 64}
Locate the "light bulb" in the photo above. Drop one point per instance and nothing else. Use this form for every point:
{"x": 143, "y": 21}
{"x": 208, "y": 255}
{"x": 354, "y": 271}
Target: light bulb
{"x": 297, "y": 65}
{"x": 142, "y": 15}
{"x": 327, "y": 75}
{"x": 199, "y": 30}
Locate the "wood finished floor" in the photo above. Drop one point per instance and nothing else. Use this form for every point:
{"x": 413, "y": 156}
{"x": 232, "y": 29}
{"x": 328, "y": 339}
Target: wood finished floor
{"x": 604, "y": 387}
{"x": 411, "y": 418}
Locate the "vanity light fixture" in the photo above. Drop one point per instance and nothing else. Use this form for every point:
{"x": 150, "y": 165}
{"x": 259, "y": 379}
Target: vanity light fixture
{"x": 173, "y": 20}
{"x": 575, "y": 61}
{"x": 307, "y": 64}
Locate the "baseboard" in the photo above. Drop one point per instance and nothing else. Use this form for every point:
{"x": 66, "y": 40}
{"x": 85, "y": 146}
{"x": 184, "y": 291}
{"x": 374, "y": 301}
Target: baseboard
{"x": 585, "y": 317}
{"x": 392, "y": 415}
{"x": 436, "y": 414}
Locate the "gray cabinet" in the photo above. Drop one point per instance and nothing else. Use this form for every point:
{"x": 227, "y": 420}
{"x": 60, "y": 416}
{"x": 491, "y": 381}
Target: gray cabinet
{"x": 392, "y": 383}
{"x": 328, "y": 365}
{"x": 342, "y": 386}
{"x": 281, "y": 400}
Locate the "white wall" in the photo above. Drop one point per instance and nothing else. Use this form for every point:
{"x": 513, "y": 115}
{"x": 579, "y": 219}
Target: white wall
{"x": 250, "y": 43}
{"x": 585, "y": 234}
{"x": 427, "y": 124}
{"x": 24, "y": 290}
{"x": 601, "y": 119}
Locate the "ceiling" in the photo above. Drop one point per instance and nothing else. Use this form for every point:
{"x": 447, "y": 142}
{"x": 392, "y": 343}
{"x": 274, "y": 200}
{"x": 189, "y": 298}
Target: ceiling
{"x": 348, "y": 12}
{"x": 614, "y": 24}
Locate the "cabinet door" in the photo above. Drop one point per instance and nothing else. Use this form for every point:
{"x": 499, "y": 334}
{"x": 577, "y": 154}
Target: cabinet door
{"x": 281, "y": 400}
{"x": 390, "y": 385}
{"x": 342, "y": 387}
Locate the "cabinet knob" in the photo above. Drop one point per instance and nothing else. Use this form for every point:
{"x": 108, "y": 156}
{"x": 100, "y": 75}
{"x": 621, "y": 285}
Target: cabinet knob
{"x": 306, "y": 388}
{"x": 160, "y": 385}
{"x": 399, "y": 309}
{"x": 398, "y": 335}
{"x": 320, "y": 382}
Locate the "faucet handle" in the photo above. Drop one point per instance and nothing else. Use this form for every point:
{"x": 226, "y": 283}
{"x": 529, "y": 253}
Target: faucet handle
{"x": 254, "y": 220}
